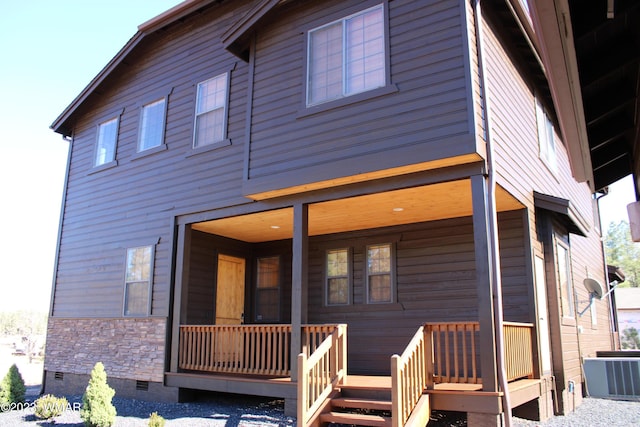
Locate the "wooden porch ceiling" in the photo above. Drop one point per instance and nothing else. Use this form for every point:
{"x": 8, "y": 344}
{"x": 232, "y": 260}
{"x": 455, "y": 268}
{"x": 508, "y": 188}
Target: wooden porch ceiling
{"x": 417, "y": 204}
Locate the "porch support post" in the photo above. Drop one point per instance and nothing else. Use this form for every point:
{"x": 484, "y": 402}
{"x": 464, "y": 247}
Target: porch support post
{"x": 484, "y": 282}
{"x": 299, "y": 270}
{"x": 179, "y": 315}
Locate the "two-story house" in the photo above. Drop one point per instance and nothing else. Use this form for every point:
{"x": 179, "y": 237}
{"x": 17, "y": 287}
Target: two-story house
{"x": 274, "y": 197}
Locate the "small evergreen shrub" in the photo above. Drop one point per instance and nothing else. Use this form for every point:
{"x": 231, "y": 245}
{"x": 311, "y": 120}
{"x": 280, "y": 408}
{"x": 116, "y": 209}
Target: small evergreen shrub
{"x": 156, "y": 420}
{"x": 49, "y": 406}
{"x": 97, "y": 409}
{"x": 12, "y": 388}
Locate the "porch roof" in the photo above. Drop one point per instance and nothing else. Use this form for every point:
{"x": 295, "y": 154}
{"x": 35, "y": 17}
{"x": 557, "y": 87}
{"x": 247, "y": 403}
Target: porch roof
{"x": 563, "y": 208}
{"x": 405, "y": 206}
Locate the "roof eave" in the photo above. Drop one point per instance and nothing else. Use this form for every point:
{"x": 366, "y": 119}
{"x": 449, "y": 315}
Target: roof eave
{"x": 58, "y": 124}
{"x": 553, "y": 29}
{"x": 177, "y": 12}
{"x": 235, "y": 38}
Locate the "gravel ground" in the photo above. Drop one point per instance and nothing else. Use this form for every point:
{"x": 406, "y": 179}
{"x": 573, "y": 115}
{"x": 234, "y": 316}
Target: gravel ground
{"x": 593, "y": 413}
{"x": 228, "y": 411}
{"x": 243, "y": 411}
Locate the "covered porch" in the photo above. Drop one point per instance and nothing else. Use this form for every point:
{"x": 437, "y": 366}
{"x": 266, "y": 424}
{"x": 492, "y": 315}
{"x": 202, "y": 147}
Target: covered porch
{"x": 434, "y": 228}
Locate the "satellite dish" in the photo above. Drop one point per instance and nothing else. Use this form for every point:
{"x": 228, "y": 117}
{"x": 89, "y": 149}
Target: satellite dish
{"x": 593, "y": 287}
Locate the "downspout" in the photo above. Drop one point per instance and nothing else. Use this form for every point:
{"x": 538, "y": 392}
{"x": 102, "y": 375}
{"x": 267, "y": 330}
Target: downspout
{"x": 493, "y": 222}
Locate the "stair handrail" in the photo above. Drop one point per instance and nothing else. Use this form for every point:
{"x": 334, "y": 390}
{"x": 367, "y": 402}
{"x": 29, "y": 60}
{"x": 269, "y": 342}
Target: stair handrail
{"x": 409, "y": 377}
{"x": 321, "y": 373}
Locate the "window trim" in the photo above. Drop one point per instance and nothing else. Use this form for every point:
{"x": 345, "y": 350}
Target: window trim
{"x": 279, "y": 290}
{"x": 148, "y": 313}
{"x": 155, "y": 148}
{"x": 349, "y": 277}
{"x": 570, "y": 317}
{"x": 392, "y": 273}
{"x": 386, "y": 88}
{"x": 116, "y": 115}
{"x": 225, "y": 141}
{"x": 546, "y": 138}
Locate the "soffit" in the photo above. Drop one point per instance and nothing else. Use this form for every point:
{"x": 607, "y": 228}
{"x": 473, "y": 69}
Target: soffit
{"x": 608, "y": 55}
{"x": 419, "y": 204}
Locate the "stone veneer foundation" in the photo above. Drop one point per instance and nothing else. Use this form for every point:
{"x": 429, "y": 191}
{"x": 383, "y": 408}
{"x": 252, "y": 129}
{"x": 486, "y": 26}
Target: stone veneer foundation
{"x": 131, "y": 349}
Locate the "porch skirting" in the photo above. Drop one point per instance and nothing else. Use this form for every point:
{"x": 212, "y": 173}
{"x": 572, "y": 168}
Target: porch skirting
{"x": 282, "y": 388}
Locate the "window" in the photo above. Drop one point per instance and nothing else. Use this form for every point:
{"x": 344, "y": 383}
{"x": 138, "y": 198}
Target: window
{"x": 137, "y": 288}
{"x": 379, "y": 280}
{"x": 546, "y": 140}
{"x": 107, "y": 139}
{"x": 346, "y": 57}
{"x": 564, "y": 279}
{"x": 211, "y": 106}
{"x": 152, "y": 125}
{"x": 268, "y": 289}
{"x": 337, "y": 277}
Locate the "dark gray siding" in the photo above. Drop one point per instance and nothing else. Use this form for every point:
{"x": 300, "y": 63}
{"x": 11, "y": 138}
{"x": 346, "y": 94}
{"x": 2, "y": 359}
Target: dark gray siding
{"x": 436, "y": 282}
{"x": 427, "y": 118}
{"x": 521, "y": 172}
{"x": 133, "y": 203}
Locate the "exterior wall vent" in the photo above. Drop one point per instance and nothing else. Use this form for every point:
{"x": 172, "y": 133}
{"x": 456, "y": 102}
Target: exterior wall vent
{"x": 613, "y": 377}
{"x": 58, "y": 376}
{"x": 142, "y": 385}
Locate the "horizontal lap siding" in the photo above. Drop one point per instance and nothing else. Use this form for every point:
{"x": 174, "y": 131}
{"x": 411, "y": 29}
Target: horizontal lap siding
{"x": 132, "y": 204}
{"x": 427, "y": 65}
{"x": 436, "y": 281}
{"x": 521, "y": 172}
{"x": 201, "y": 288}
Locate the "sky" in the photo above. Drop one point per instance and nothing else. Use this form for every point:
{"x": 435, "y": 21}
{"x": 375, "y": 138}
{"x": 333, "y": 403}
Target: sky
{"x": 50, "y": 50}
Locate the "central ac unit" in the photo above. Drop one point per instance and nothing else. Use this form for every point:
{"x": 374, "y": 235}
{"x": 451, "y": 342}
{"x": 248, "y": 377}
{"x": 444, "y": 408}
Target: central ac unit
{"x": 613, "y": 377}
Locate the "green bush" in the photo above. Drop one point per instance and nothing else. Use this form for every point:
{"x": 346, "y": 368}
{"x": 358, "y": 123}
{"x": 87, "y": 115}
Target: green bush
{"x": 12, "y": 388}
{"x": 97, "y": 409}
{"x": 156, "y": 420}
{"x": 49, "y": 406}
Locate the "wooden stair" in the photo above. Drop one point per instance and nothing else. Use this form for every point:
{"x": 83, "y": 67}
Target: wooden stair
{"x": 360, "y": 405}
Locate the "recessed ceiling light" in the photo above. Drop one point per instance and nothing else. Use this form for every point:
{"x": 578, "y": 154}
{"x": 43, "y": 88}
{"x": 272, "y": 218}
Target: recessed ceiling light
{"x": 275, "y": 227}
{"x": 398, "y": 209}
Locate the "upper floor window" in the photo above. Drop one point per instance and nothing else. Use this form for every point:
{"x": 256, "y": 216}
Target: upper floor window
{"x": 152, "y": 123}
{"x": 137, "y": 287}
{"x": 107, "y": 140}
{"x": 379, "y": 273}
{"x": 211, "y": 111}
{"x": 337, "y": 277}
{"x": 546, "y": 140}
{"x": 346, "y": 57}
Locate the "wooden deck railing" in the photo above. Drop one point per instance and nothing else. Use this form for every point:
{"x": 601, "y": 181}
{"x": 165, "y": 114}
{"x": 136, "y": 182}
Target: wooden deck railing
{"x": 320, "y": 373}
{"x": 244, "y": 349}
{"x": 518, "y": 345}
{"x": 409, "y": 377}
{"x": 454, "y": 352}
{"x": 454, "y": 349}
